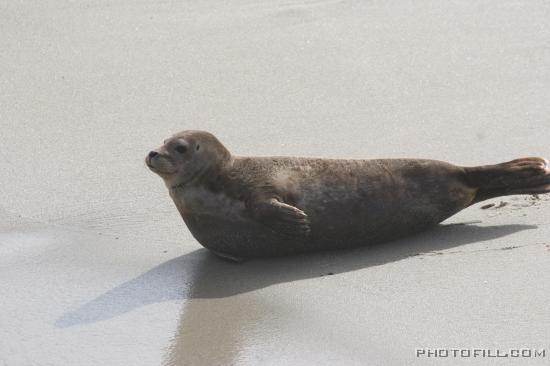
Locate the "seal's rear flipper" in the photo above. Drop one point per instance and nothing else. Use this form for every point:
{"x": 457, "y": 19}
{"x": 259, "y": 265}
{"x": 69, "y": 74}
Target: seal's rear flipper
{"x": 520, "y": 176}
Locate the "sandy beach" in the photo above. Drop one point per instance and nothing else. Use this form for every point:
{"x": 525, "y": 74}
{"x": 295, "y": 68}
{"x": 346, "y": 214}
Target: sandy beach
{"x": 97, "y": 267}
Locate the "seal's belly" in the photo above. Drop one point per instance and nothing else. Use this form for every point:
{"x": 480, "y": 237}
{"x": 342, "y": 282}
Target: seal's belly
{"x": 239, "y": 238}
{"x": 221, "y": 223}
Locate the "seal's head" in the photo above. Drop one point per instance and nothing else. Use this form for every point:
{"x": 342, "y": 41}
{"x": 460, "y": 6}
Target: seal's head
{"x": 186, "y": 157}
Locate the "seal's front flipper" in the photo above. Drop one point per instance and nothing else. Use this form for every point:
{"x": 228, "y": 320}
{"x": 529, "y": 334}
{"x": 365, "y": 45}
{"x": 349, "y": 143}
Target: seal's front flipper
{"x": 228, "y": 257}
{"x": 280, "y": 217}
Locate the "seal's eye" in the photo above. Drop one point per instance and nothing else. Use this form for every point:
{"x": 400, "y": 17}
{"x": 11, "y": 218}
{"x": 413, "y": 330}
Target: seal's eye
{"x": 198, "y": 147}
{"x": 181, "y": 149}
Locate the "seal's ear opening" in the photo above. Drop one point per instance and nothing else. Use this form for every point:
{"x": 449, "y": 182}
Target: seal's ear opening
{"x": 198, "y": 147}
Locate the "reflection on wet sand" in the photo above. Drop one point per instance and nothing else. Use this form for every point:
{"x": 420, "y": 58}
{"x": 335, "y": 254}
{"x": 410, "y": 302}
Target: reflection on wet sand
{"x": 215, "y": 323}
{"x": 217, "y": 331}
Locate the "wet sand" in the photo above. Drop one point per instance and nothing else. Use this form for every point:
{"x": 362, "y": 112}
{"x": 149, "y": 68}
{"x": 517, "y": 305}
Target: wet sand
{"x": 96, "y": 266}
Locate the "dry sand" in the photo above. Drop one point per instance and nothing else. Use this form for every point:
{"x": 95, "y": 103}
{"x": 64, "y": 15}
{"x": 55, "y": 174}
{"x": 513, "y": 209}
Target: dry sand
{"x": 97, "y": 268}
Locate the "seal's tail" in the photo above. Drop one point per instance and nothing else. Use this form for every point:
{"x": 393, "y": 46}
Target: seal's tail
{"x": 520, "y": 176}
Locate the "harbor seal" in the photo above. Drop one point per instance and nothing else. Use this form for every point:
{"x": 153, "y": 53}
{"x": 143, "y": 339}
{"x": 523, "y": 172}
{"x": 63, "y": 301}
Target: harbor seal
{"x": 243, "y": 207}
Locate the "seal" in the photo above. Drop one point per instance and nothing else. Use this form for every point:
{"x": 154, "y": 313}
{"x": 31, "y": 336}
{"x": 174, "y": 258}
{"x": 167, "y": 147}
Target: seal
{"x": 243, "y": 207}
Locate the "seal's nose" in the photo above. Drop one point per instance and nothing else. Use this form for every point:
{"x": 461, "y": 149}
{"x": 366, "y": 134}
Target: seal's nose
{"x": 152, "y": 154}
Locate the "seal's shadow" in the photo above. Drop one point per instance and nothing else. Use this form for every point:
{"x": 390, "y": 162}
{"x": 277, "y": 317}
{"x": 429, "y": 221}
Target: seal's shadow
{"x": 201, "y": 275}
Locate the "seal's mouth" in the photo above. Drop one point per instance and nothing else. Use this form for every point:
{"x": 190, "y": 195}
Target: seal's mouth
{"x": 148, "y": 163}
{"x": 160, "y": 165}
